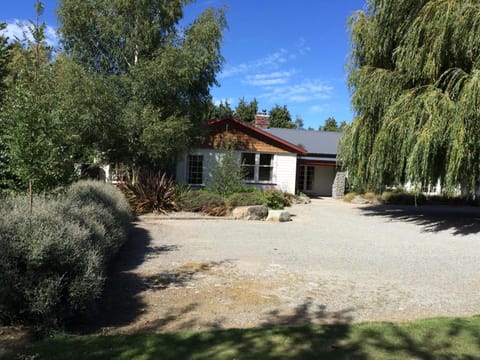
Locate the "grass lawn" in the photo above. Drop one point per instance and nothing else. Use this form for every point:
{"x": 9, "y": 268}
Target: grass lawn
{"x": 440, "y": 338}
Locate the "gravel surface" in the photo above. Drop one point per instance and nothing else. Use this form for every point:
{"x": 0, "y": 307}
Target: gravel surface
{"x": 333, "y": 262}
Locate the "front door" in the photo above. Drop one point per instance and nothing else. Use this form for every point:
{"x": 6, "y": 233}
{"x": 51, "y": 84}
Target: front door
{"x": 305, "y": 178}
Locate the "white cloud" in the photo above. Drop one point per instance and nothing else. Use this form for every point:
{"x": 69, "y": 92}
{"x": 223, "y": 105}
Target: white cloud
{"x": 272, "y": 61}
{"x": 19, "y": 29}
{"x": 304, "y": 91}
{"x": 316, "y": 109}
{"x": 269, "y": 79}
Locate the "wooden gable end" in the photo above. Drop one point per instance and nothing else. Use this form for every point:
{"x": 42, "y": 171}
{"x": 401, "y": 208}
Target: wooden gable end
{"x": 244, "y": 138}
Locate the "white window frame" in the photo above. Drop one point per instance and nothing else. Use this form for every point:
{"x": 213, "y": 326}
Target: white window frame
{"x": 257, "y": 166}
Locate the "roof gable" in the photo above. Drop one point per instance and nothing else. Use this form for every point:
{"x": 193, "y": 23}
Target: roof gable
{"x": 232, "y": 124}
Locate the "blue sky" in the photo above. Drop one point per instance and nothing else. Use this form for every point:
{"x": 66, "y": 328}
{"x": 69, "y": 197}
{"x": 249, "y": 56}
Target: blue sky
{"x": 282, "y": 52}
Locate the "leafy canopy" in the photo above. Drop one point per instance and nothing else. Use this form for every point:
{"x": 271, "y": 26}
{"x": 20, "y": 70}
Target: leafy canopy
{"x": 415, "y": 80}
{"x": 154, "y": 75}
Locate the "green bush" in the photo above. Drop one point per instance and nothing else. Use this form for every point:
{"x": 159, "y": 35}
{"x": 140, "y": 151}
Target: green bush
{"x": 53, "y": 256}
{"x": 246, "y": 198}
{"x": 203, "y": 201}
{"x": 276, "y": 199}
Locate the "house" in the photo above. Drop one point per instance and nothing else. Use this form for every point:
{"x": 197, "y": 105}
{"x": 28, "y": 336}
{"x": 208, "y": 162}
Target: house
{"x": 272, "y": 158}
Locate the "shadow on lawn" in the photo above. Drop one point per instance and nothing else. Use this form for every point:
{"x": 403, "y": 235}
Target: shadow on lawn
{"x": 339, "y": 339}
{"x": 463, "y": 220}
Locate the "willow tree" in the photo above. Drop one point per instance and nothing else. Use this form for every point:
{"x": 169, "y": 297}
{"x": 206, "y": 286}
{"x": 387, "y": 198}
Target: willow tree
{"x": 415, "y": 81}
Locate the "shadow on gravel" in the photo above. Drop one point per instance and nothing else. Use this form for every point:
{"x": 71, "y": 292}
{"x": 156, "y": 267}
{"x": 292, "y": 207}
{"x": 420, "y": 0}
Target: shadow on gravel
{"x": 463, "y": 220}
{"x": 121, "y": 304}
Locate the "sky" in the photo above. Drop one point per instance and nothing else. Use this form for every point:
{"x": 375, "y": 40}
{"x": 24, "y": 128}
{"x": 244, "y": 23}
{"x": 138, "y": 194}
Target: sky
{"x": 283, "y": 52}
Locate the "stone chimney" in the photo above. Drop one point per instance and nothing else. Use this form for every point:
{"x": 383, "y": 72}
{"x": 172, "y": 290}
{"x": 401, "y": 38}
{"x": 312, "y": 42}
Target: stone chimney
{"x": 262, "y": 120}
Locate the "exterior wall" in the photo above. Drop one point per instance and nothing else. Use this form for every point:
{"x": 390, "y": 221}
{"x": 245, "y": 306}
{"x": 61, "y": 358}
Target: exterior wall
{"x": 323, "y": 179}
{"x": 283, "y": 174}
{"x": 242, "y": 141}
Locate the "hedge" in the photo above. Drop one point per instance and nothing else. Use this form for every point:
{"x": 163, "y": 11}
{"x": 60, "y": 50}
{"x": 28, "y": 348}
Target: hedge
{"x": 54, "y": 256}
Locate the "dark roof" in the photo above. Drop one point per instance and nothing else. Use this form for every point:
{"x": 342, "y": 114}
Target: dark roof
{"x": 262, "y": 132}
{"x": 315, "y": 142}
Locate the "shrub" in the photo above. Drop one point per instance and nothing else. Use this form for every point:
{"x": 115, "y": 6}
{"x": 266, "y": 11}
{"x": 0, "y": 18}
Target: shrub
{"x": 204, "y": 201}
{"x": 153, "y": 192}
{"x": 276, "y": 199}
{"x": 53, "y": 256}
{"x": 246, "y": 198}
{"x": 349, "y": 197}
{"x": 227, "y": 176}
{"x": 403, "y": 198}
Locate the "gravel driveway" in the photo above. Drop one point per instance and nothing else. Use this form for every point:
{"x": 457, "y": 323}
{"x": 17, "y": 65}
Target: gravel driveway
{"x": 333, "y": 262}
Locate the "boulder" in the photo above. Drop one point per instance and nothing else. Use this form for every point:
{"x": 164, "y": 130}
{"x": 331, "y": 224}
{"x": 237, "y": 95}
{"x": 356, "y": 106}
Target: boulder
{"x": 278, "y": 216}
{"x": 255, "y": 212}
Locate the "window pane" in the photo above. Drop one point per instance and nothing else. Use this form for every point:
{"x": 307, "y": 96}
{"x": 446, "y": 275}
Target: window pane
{"x": 248, "y": 172}
{"x": 266, "y": 159}
{"x": 248, "y": 159}
{"x": 265, "y": 173}
{"x": 301, "y": 178}
{"x": 310, "y": 172}
{"x": 195, "y": 169}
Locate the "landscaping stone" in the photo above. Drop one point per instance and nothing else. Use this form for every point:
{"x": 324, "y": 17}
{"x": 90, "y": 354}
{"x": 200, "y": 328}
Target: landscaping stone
{"x": 278, "y": 216}
{"x": 359, "y": 200}
{"x": 302, "y": 199}
{"x": 255, "y": 212}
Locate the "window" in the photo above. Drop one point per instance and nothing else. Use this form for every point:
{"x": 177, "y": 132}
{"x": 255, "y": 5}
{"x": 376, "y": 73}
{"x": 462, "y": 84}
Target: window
{"x": 305, "y": 178}
{"x": 195, "y": 169}
{"x": 257, "y": 167}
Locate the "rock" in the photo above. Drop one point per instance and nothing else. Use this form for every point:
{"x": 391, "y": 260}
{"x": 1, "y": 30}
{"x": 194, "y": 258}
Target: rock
{"x": 359, "y": 200}
{"x": 278, "y": 216}
{"x": 302, "y": 199}
{"x": 255, "y": 212}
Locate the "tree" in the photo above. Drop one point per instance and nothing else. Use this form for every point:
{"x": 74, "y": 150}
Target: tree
{"x": 415, "y": 79}
{"x": 299, "y": 122}
{"x": 5, "y": 57}
{"x": 162, "y": 74}
{"x": 330, "y": 125}
{"x": 37, "y": 144}
{"x": 224, "y": 109}
{"x": 4, "y": 60}
{"x": 280, "y": 117}
{"x": 246, "y": 111}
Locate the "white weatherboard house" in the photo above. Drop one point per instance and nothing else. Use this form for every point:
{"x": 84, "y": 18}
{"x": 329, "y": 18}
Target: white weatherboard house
{"x": 272, "y": 158}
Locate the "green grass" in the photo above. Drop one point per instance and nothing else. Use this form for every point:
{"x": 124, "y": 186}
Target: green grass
{"x": 441, "y": 338}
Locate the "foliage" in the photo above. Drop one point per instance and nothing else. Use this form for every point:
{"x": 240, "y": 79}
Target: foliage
{"x": 280, "y": 117}
{"x": 37, "y": 146}
{"x": 4, "y": 60}
{"x": 246, "y": 111}
{"x": 276, "y": 199}
{"x": 299, "y": 122}
{"x": 415, "y": 77}
{"x": 246, "y": 198}
{"x": 227, "y": 175}
{"x": 223, "y": 109}
{"x": 202, "y": 201}
{"x": 152, "y": 192}
{"x": 438, "y": 338}
{"x": 330, "y": 125}
{"x": 54, "y": 255}
{"x": 349, "y": 196}
{"x": 155, "y": 80}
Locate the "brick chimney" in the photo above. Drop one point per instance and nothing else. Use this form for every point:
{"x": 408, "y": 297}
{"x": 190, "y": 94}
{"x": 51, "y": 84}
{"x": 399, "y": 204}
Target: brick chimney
{"x": 262, "y": 120}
